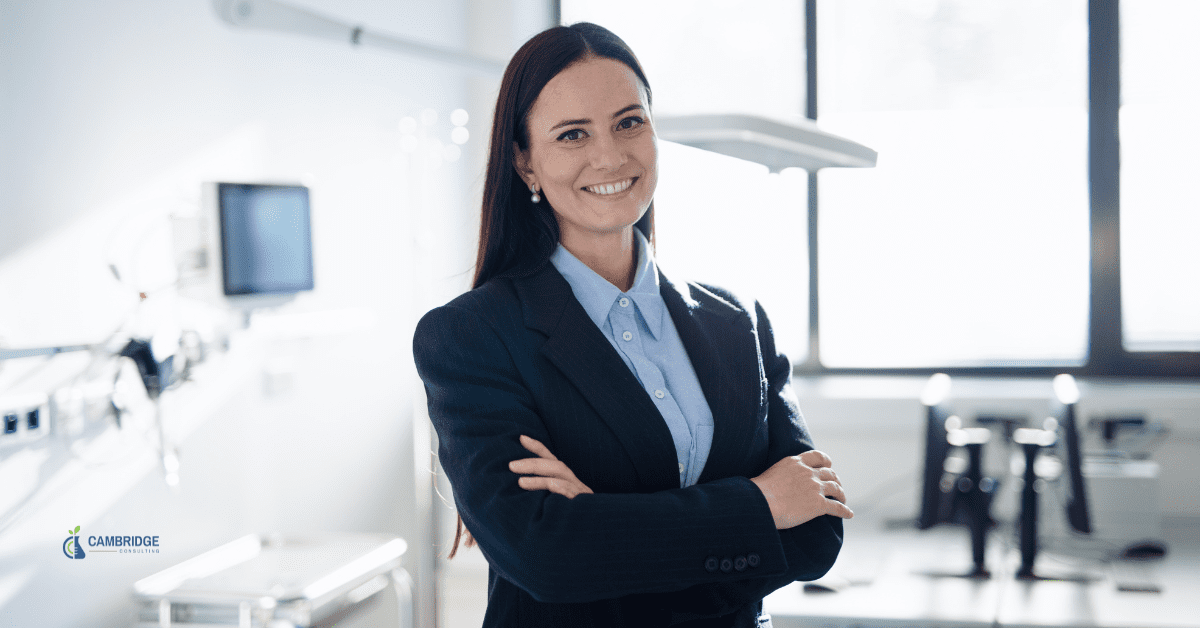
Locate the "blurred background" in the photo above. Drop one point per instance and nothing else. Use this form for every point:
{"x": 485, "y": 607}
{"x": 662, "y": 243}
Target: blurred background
{"x": 1028, "y": 216}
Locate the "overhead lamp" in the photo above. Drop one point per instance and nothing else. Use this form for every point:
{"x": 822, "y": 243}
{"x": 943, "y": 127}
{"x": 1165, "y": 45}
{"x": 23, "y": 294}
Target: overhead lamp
{"x": 774, "y": 143}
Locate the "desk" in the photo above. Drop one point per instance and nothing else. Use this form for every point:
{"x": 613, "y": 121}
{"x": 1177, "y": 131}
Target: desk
{"x": 907, "y": 578}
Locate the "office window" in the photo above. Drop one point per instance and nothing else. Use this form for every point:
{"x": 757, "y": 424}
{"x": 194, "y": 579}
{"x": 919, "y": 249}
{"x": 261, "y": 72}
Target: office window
{"x": 721, "y": 220}
{"x": 1160, "y": 221}
{"x": 729, "y": 223}
{"x": 710, "y": 56}
{"x": 968, "y": 244}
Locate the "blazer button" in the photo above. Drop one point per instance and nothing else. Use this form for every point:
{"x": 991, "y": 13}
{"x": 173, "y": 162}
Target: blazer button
{"x": 739, "y": 563}
{"x": 752, "y": 560}
{"x": 726, "y": 565}
{"x": 712, "y": 564}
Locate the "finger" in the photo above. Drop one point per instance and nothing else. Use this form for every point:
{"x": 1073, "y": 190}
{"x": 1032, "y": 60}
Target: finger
{"x": 838, "y": 509}
{"x": 533, "y": 483}
{"x": 816, "y": 459}
{"x": 541, "y": 466}
{"x": 570, "y": 484}
{"x": 833, "y": 490}
{"x": 827, "y": 474}
{"x": 554, "y": 485}
{"x": 536, "y": 447}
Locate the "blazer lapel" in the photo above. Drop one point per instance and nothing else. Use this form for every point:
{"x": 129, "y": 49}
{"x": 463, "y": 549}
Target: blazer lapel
{"x": 578, "y": 348}
{"x": 724, "y": 353}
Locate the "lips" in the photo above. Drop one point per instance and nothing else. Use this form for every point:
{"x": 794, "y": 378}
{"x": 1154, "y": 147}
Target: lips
{"x": 607, "y": 189}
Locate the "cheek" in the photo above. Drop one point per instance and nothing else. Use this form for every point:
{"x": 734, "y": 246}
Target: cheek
{"x": 561, "y": 169}
{"x": 649, "y": 158}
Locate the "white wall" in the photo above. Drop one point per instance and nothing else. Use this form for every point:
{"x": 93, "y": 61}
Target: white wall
{"x": 111, "y": 114}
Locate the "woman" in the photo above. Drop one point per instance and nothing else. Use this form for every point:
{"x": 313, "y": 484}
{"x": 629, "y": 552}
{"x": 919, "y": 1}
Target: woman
{"x": 672, "y": 480}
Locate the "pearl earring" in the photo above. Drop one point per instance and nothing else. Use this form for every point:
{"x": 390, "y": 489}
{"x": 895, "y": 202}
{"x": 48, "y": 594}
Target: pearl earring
{"x": 535, "y": 198}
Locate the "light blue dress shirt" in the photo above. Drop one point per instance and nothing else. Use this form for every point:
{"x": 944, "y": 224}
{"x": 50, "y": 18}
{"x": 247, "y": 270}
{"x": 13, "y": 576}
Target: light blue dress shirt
{"x": 641, "y": 330}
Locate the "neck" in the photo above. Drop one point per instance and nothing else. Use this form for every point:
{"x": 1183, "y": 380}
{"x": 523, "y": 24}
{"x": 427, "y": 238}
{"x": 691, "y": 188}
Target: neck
{"x": 610, "y": 255}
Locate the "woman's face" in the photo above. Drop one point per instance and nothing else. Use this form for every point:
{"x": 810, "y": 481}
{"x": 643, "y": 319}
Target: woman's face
{"x": 592, "y": 149}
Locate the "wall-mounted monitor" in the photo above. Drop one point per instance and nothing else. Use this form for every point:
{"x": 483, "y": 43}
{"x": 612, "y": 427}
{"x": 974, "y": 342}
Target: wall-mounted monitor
{"x": 250, "y": 248}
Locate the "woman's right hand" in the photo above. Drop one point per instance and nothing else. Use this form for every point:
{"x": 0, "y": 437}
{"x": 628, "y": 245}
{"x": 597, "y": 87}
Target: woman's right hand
{"x": 801, "y": 488}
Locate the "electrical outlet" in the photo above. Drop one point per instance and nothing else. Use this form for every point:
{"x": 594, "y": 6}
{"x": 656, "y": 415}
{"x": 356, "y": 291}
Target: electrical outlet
{"x": 24, "y": 419}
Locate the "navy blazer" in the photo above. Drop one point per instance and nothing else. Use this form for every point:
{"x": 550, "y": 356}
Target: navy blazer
{"x": 520, "y": 356}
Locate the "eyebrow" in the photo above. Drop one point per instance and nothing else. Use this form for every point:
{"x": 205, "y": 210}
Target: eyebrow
{"x": 588, "y": 121}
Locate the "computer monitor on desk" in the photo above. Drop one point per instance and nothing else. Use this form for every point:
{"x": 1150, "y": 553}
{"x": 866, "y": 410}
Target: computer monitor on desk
{"x": 960, "y": 492}
{"x": 935, "y": 504}
{"x": 1061, "y": 432}
{"x": 891, "y": 576}
{"x": 956, "y": 492}
{"x": 1066, "y": 392}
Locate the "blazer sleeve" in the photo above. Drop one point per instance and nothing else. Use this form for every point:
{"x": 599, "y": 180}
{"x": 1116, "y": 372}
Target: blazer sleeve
{"x": 810, "y": 549}
{"x": 592, "y": 547}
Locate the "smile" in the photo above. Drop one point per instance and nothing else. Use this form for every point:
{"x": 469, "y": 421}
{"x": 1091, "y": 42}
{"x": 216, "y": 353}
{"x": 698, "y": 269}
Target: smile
{"x": 604, "y": 189}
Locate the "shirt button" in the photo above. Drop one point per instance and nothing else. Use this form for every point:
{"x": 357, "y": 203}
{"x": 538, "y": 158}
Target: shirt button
{"x": 624, "y": 301}
{"x": 681, "y": 467}
{"x": 752, "y": 560}
{"x": 712, "y": 564}
{"x": 660, "y": 394}
{"x": 739, "y": 563}
{"x": 726, "y": 565}
{"x": 627, "y": 335}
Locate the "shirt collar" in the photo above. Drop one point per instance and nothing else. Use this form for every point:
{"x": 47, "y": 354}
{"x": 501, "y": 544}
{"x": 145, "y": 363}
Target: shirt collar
{"x": 598, "y": 296}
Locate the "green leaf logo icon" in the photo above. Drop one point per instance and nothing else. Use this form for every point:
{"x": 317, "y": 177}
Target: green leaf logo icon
{"x": 76, "y": 530}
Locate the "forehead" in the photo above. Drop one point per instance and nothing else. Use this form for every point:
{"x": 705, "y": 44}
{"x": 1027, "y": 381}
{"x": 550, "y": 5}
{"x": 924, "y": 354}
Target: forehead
{"x": 587, "y": 89}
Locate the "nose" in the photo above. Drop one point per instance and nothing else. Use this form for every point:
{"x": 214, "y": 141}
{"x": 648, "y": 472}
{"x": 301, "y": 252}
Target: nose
{"x": 607, "y": 153}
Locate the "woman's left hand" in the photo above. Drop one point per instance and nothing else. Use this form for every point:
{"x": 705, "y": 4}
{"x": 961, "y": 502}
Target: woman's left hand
{"x": 546, "y": 473}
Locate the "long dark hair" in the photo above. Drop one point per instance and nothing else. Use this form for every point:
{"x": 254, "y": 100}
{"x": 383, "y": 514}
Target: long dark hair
{"x": 517, "y": 236}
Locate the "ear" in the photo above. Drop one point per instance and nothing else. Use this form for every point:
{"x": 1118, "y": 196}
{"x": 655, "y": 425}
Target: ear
{"x": 521, "y": 163}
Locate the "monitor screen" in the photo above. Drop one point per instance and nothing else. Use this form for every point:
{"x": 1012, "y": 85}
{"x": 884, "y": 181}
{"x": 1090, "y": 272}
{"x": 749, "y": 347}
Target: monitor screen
{"x": 266, "y": 240}
{"x": 1067, "y": 392}
{"x": 936, "y": 501}
{"x": 1076, "y": 491}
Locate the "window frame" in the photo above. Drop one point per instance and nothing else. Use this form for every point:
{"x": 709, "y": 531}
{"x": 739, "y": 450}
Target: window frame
{"x": 1106, "y": 354}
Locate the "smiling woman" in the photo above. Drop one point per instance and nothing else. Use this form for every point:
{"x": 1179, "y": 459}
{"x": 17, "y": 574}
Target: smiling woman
{"x": 593, "y": 153}
{"x": 624, "y": 450}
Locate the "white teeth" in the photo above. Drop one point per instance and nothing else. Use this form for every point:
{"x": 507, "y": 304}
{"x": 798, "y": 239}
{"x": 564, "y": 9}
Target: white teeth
{"x": 610, "y": 188}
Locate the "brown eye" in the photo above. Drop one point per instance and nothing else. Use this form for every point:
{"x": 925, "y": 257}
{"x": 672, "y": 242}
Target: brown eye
{"x": 573, "y": 135}
{"x": 630, "y": 123}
